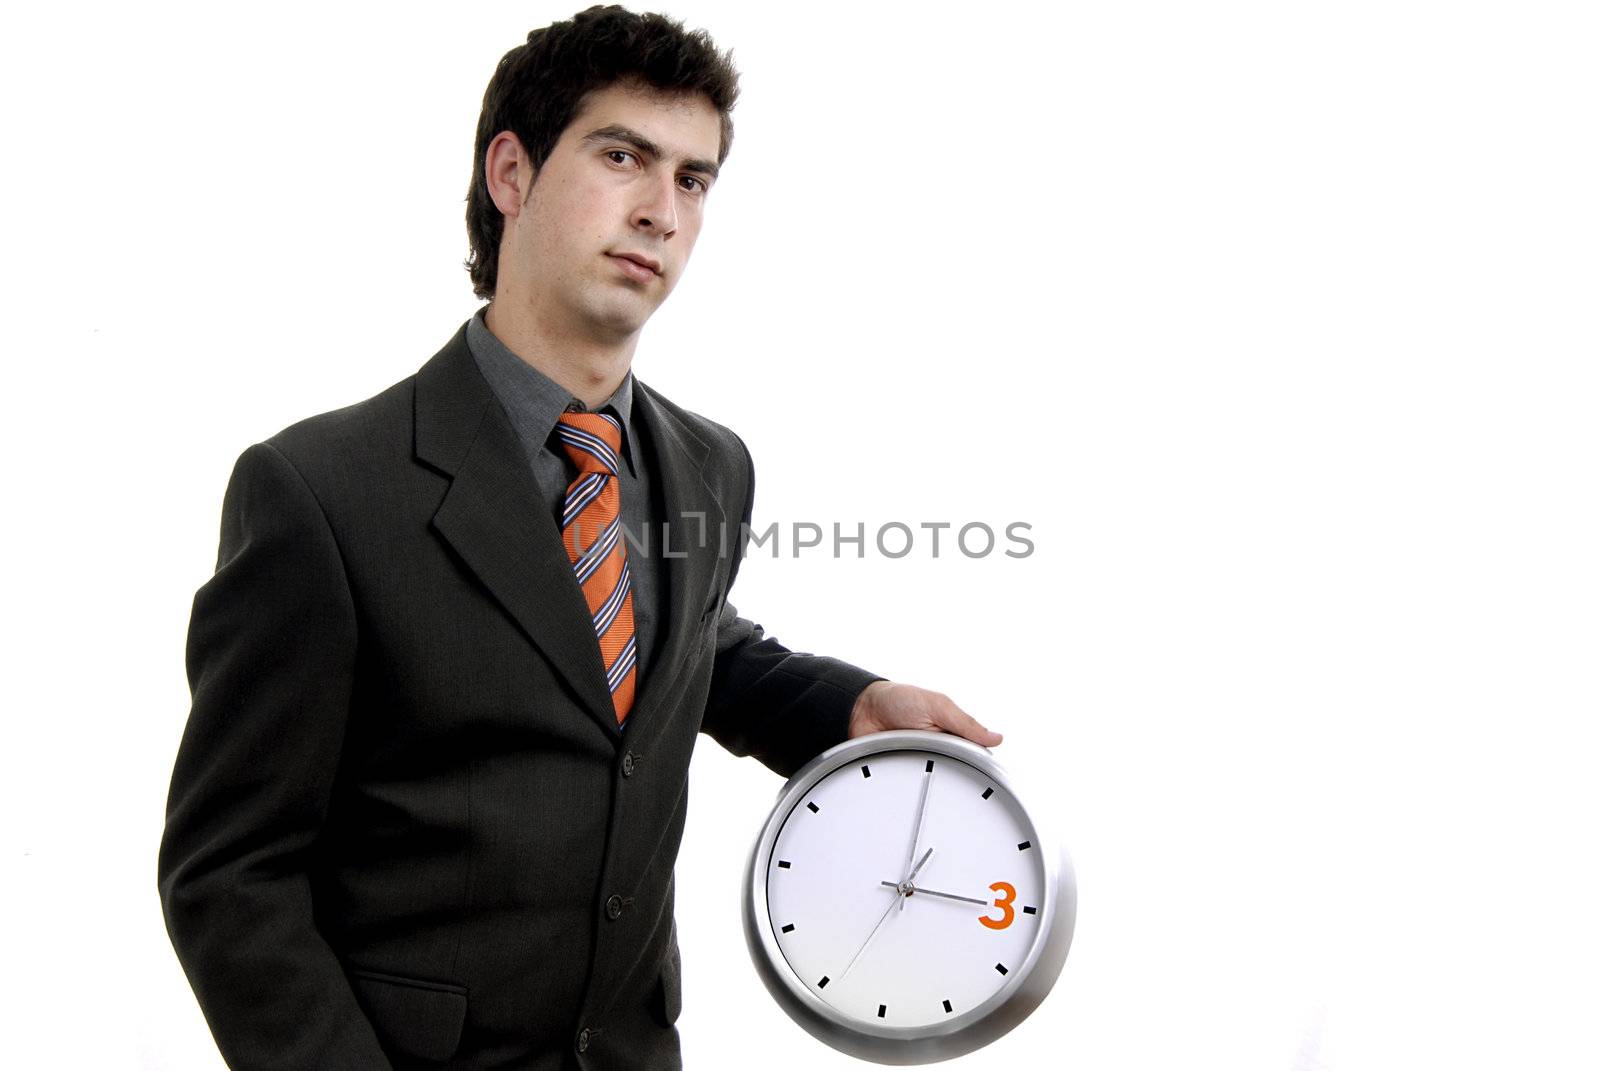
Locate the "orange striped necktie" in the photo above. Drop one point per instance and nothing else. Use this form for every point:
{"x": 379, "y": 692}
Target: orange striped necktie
{"x": 591, "y": 530}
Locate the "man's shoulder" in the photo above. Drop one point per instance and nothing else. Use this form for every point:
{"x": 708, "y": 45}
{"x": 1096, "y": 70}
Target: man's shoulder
{"x": 718, "y": 437}
{"x": 385, "y": 421}
{"x": 365, "y": 430}
{"x": 364, "y": 438}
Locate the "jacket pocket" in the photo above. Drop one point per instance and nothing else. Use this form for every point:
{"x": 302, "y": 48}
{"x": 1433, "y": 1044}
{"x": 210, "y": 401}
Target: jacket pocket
{"x": 411, "y": 1016}
{"x": 670, "y": 986}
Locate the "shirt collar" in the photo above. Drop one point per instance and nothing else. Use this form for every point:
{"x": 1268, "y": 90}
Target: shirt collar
{"x": 533, "y": 400}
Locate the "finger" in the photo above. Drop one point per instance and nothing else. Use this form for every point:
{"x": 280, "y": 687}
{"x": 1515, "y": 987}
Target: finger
{"x": 961, "y": 723}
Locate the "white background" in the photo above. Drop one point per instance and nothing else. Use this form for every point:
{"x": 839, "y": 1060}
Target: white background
{"x": 1276, "y": 321}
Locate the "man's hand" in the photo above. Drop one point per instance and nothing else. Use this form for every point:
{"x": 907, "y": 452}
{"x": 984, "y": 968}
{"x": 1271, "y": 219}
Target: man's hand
{"x": 890, "y": 705}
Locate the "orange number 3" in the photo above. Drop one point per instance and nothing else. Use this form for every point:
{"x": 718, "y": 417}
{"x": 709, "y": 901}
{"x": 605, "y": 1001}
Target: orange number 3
{"x": 1003, "y": 902}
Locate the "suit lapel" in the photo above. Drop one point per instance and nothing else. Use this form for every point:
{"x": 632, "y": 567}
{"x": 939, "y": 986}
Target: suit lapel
{"x": 493, "y": 517}
{"x": 686, "y": 540}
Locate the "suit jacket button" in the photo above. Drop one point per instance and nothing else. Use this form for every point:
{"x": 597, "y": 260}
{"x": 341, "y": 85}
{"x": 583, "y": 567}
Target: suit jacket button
{"x": 627, "y": 765}
{"x": 614, "y": 907}
{"x": 583, "y": 1040}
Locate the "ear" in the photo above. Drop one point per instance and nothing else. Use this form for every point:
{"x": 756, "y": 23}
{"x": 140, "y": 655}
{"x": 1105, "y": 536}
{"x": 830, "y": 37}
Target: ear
{"x": 508, "y": 173}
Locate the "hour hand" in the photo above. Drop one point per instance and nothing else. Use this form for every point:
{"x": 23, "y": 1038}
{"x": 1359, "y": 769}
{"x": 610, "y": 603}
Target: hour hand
{"x": 919, "y": 865}
{"x": 913, "y": 874}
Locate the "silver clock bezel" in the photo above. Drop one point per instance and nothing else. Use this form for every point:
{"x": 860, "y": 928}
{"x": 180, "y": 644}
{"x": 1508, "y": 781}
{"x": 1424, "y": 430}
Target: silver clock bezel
{"x": 964, "y": 1032}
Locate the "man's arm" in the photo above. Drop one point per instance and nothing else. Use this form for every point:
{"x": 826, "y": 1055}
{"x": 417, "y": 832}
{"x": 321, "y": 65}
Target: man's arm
{"x": 271, "y": 648}
{"x": 784, "y": 707}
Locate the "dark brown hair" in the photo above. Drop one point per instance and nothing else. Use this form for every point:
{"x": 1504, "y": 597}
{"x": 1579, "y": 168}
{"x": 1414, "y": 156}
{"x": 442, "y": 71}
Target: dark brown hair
{"x": 539, "y": 88}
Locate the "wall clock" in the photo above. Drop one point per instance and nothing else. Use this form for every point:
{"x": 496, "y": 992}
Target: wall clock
{"x": 902, "y": 904}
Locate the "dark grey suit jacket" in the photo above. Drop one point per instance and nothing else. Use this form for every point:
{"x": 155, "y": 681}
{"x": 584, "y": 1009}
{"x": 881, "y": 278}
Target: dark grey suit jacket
{"x": 404, "y": 828}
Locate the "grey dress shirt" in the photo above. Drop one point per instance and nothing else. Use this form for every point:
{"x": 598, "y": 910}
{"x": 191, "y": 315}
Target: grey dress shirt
{"x": 534, "y": 402}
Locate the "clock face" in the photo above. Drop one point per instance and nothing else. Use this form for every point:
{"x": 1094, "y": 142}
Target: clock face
{"x": 905, "y": 888}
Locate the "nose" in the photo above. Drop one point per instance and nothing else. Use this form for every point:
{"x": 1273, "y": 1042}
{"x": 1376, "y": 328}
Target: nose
{"x": 657, "y": 210}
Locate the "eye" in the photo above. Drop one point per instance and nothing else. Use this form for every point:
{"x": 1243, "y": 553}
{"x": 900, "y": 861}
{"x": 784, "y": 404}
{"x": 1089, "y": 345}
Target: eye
{"x": 626, "y": 156}
{"x": 697, "y": 185}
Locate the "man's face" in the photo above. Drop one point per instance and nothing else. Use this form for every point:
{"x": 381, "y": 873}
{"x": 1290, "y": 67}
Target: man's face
{"x": 625, "y": 183}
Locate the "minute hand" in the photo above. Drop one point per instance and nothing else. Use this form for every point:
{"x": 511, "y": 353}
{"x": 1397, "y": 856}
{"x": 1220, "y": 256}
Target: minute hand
{"x": 920, "y": 891}
{"x": 916, "y": 825}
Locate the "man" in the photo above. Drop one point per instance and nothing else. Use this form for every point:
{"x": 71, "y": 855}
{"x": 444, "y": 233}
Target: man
{"x": 432, "y": 787}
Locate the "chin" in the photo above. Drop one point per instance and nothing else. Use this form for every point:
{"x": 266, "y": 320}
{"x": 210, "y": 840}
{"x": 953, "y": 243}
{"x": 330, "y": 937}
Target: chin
{"x": 622, "y": 317}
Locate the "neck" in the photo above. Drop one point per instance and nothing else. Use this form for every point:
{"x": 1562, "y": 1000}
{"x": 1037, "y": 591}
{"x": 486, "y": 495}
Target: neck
{"x": 590, "y": 369}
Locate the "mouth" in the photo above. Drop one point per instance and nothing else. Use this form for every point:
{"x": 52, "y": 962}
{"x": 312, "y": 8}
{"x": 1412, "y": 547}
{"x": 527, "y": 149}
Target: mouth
{"x": 636, "y": 265}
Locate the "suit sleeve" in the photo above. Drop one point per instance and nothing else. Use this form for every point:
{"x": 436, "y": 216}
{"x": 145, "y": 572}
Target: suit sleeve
{"x": 784, "y": 707}
{"x": 270, "y": 656}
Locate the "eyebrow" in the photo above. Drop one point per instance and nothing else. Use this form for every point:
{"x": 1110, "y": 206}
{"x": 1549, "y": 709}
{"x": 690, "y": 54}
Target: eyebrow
{"x": 644, "y": 145}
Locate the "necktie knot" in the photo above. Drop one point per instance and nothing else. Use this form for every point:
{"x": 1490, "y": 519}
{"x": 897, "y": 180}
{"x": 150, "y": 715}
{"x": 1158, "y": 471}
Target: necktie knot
{"x": 592, "y": 440}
